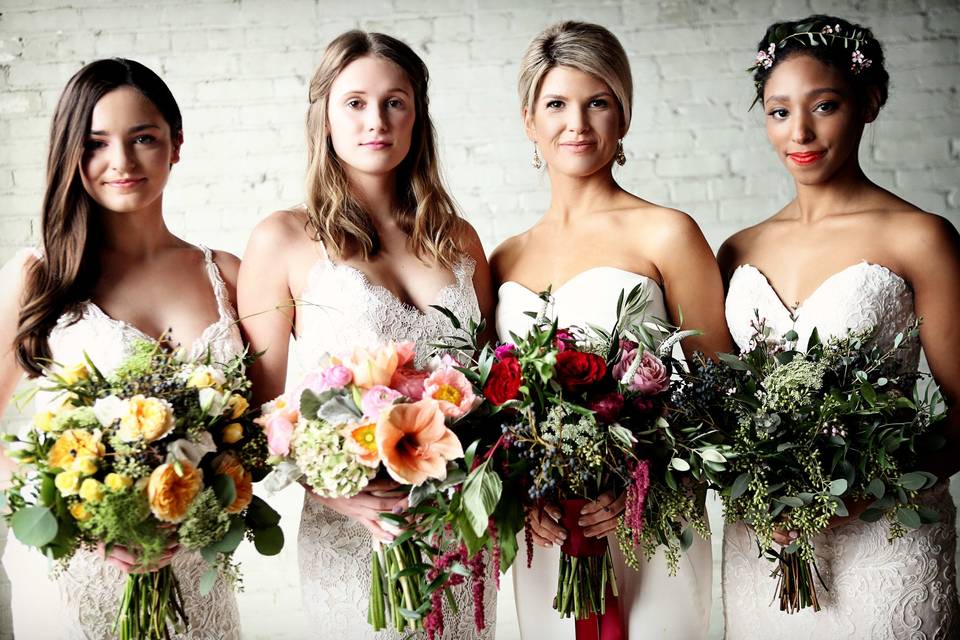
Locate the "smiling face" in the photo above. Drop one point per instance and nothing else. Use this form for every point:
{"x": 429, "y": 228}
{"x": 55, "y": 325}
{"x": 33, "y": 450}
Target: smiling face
{"x": 575, "y": 122}
{"x": 128, "y": 152}
{"x": 371, "y": 114}
{"x": 813, "y": 120}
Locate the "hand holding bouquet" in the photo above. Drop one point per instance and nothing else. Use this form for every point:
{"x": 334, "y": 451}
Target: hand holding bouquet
{"x": 161, "y": 452}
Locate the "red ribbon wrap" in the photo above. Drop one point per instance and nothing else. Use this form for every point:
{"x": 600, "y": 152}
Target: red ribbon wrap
{"x": 608, "y": 626}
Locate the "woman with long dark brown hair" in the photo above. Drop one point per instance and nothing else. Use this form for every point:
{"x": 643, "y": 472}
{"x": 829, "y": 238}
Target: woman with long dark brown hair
{"x": 108, "y": 274}
{"x": 376, "y": 243}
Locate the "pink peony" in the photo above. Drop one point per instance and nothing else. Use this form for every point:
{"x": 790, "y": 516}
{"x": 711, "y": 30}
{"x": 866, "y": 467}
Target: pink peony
{"x": 337, "y": 377}
{"x": 409, "y": 382}
{"x": 376, "y": 399}
{"x": 279, "y": 428}
{"x": 452, "y": 390}
{"x": 650, "y": 377}
{"x": 607, "y": 406}
{"x": 405, "y": 352}
{"x": 507, "y": 349}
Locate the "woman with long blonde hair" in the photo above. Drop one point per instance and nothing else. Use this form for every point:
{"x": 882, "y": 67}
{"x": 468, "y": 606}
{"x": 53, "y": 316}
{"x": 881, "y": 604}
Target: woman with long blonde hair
{"x": 376, "y": 243}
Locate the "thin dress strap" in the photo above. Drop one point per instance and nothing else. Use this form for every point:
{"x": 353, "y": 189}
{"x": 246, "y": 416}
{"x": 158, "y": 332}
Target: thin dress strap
{"x": 224, "y": 308}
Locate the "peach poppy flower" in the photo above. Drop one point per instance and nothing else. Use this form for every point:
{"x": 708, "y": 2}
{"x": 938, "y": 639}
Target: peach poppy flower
{"x": 452, "y": 390}
{"x": 361, "y": 440}
{"x": 414, "y": 442}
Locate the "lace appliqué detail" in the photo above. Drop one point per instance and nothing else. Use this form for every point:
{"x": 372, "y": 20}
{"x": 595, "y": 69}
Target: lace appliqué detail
{"x": 341, "y": 309}
{"x": 90, "y": 590}
{"x": 878, "y": 590}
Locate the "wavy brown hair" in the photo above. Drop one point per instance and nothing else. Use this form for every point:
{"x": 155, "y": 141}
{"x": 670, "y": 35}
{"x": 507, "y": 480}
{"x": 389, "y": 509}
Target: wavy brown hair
{"x": 425, "y": 211}
{"x": 65, "y": 276}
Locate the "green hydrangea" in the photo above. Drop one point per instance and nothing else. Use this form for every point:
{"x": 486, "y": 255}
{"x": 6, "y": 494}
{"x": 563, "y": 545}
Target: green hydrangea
{"x": 205, "y": 523}
{"x": 790, "y": 388}
{"x": 329, "y": 469}
{"x": 139, "y": 363}
{"x": 79, "y": 418}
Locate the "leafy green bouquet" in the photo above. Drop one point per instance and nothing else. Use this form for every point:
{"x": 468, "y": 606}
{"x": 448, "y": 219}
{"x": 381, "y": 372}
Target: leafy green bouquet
{"x": 841, "y": 420}
{"x": 161, "y": 452}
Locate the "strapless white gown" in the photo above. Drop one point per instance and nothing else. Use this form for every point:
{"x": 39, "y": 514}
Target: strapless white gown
{"x": 877, "y": 590}
{"x": 81, "y": 603}
{"x": 656, "y": 605}
{"x": 340, "y": 309}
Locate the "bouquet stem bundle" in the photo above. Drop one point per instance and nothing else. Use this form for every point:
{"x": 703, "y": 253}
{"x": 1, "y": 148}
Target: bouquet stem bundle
{"x": 796, "y": 588}
{"x": 395, "y": 592}
{"x": 586, "y": 574}
{"x": 150, "y": 601}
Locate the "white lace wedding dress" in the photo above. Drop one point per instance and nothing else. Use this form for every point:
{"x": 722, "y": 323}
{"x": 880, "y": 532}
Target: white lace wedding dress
{"x": 340, "y": 309}
{"x": 81, "y": 602}
{"x": 654, "y": 603}
{"x": 877, "y": 590}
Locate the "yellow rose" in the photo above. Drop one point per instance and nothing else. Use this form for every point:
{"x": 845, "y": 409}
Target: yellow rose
{"x": 170, "y": 493}
{"x": 67, "y": 482}
{"x": 91, "y": 490}
{"x": 79, "y": 512}
{"x": 204, "y": 376}
{"x": 233, "y": 433}
{"x": 237, "y": 404}
{"x": 43, "y": 421}
{"x": 86, "y": 466}
{"x": 74, "y": 373}
{"x": 117, "y": 482}
{"x": 226, "y": 464}
{"x": 146, "y": 418}
{"x": 73, "y": 445}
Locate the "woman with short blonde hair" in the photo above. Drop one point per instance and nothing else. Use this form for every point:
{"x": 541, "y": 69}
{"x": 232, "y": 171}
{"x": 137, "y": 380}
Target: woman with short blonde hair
{"x": 576, "y": 92}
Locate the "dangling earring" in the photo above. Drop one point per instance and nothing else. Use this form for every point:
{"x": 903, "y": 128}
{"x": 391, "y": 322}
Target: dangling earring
{"x": 621, "y": 158}
{"x": 537, "y": 162}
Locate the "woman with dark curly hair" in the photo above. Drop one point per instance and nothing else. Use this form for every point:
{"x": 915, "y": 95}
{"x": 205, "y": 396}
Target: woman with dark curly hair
{"x": 845, "y": 254}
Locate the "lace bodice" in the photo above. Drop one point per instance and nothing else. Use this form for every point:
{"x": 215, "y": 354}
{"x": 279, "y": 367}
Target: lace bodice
{"x": 89, "y": 589}
{"x": 878, "y": 590}
{"x": 339, "y": 309}
{"x": 861, "y": 296}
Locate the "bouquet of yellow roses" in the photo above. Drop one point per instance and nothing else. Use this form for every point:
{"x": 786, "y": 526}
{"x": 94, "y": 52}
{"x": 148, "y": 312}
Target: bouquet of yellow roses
{"x": 160, "y": 452}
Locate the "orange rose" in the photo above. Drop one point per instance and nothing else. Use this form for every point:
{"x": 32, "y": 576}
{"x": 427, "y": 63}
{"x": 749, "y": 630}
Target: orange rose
{"x": 414, "y": 442}
{"x": 226, "y": 464}
{"x": 170, "y": 494}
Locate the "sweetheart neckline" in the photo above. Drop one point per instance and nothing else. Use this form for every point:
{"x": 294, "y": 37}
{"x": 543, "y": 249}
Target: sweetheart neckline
{"x": 794, "y": 311}
{"x": 556, "y": 291}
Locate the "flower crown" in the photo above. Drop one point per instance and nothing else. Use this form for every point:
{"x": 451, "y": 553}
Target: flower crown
{"x": 828, "y": 36}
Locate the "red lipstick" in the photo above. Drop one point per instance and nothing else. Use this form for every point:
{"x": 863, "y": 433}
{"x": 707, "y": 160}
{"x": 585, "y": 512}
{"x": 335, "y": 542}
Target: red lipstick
{"x": 806, "y": 157}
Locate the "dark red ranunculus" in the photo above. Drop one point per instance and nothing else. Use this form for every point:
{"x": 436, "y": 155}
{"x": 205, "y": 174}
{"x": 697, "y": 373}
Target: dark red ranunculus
{"x": 503, "y": 383}
{"x": 577, "y": 370}
{"x": 642, "y": 405}
{"x": 607, "y": 406}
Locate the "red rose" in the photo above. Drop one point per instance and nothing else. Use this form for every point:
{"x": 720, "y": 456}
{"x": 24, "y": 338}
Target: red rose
{"x": 503, "y": 383}
{"x": 577, "y": 370}
{"x": 607, "y": 406}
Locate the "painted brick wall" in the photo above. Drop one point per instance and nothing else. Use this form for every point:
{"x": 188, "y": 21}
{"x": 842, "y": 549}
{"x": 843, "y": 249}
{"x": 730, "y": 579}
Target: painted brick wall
{"x": 239, "y": 70}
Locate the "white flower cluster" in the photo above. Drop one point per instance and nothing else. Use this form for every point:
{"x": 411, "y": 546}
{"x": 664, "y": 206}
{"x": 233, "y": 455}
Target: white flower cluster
{"x": 329, "y": 469}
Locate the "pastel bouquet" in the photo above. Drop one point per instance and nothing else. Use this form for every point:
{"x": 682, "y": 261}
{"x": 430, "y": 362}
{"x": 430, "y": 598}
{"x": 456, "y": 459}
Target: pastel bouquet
{"x": 161, "y": 452}
{"x": 842, "y": 420}
{"x": 371, "y": 413}
{"x": 584, "y": 411}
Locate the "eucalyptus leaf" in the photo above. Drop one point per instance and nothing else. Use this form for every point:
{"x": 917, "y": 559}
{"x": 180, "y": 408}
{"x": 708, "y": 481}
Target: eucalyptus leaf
{"x": 261, "y": 515}
{"x": 790, "y": 501}
{"x": 680, "y": 464}
{"x": 916, "y": 480}
{"x": 686, "y": 538}
{"x": 732, "y": 361}
{"x": 234, "y": 536}
{"x": 208, "y": 580}
{"x": 876, "y": 488}
{"x": 740, "y": 485}
{"x": 34, "y": 526}
{"x": 909, "y": 517}
{"x": 225, "y": 489}
{"x": 838, "y": 487}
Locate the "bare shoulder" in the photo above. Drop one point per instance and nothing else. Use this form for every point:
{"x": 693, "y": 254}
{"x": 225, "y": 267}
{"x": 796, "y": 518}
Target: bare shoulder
{"x": 280, "y": 229}
{"x": 469, "y": 240}
{"x": 505, "y": 256}
{"x": 14, "y": 271}
{"x": 921, "y": 234}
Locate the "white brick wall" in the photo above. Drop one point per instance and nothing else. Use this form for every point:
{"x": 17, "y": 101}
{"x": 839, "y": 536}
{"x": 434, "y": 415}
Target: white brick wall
{"x": 239, "y": 70}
